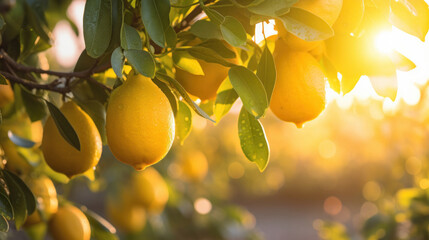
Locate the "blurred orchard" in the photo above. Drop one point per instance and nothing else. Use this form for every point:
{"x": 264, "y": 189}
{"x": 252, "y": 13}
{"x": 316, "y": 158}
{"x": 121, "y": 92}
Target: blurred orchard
{"x": 358, "y": 171}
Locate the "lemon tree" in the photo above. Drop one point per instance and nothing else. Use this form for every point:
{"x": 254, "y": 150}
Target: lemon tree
{"x": 149, "y": 68}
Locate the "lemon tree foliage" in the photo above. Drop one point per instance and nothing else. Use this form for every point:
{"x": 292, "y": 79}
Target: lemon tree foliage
{"x": 148, "y": 65}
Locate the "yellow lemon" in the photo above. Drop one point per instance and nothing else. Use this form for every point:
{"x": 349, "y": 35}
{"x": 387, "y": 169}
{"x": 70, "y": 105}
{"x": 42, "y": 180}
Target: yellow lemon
{"x": 299, "y": 93}
{"x": 69, "y": 223}
{"x": 46, "y": 196}
{"x": 63, "y": 157}
{"x": 350, "y": 17}
{"x": 124, "y": 214}
{"x": 139, "y": 122}
{"x": 205, "y": 86}
{"x": 194, "y": 165}
{"x": 150, "y": 190}
{"x": 6, "y": 95}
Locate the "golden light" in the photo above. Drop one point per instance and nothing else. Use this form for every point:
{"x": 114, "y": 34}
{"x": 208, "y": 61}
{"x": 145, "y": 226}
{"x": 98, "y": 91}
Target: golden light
{"x": 371, "y": 191}
{"x": 384, "y": 42}
{"x": 202, "y": 206}
{"x": 332, "y": 205}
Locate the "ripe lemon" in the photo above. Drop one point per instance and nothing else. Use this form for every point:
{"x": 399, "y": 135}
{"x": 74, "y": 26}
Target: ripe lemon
{"x": 150, "y": 190}
{"x": 327, "y": 10}
{"x": 60, "y": 155}
{"x": 194, "y": 165}
{"x": 205, "y": 86}
{"x": 299, "y": 93}
{"x": 124, "y": 214}
{"x": 6, "y": 95}
{"x": 139, "y": 122}
{"x": 46, "y": 196}
{"x": 69, "y": 223}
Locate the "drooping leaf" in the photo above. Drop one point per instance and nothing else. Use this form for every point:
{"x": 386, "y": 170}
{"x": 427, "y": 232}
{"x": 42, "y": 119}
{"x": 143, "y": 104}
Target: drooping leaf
{"x": 64, "y": 127}
{"x": 331, "y": 73}
{"x": 250, "y": 89}
{"x": 253, "y": 140}
{"x": 206, "y": 29}
{"x": 225, "y": 98}
{"x": 348, "y": 82}
{"x": 2, "y": 80}
{"x": 385, "y": 86}
{"x": 130, "y": 38}
{"x": 306, "y": 25}
{"x": 17, "y": 199}
{"x": 142, "y": 61}
{"x": 2, "y": 22}
{"x": 6, "y": 209}
{"x": 266, "y": 72}
{"x": 233, "y": 32}
{"x": 35, "y": 106}
{"x": 183, "y": 122}
{"x": 219, "y": 47}
{"x": 214, "y": 16}
{"x": 117, "y": 61}
{"x": 4, "y": 225}
{"x": 167, "y": 92}
{"x": 97, "y": 26}
{"x": 155, "y": 16}
{"x": 30, "y": 201}
{"x": 84, "y": 62}
{"x": 176, "y": 85}
{"x": 97, "y": 112}
{"x": 272, "y": 8}
{"x": 37, "y": 24}
{"x": 208, "y": 55}
{"x": 411, "y": 16}
{"x": 184, "y": 61}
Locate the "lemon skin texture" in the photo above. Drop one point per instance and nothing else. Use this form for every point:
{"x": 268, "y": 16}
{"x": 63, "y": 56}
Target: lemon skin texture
{"x": 69, "y": 223}
{"x": 63, "y": 157}
{"x": 140, "y": 124}
{"x": 46, "y": 196}
{"x": 299, "y": 93}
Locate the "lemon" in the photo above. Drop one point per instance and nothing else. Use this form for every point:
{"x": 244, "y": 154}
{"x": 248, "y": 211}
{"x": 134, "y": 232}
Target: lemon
{"x": 350, "y": 17}
{"x": 124, "y": 214}
{"x": 205, "y": 86}
{"x": 69, "y": 223}
{"x": 139, "y": 122}
{"x": 299, "y": 93}
{"x": 46, "y": 196}
{"x": 63, "y": 157}
{"x": 6, "y": 95}
{"x": 149, "y": 189}
{"x": 194, "y": 165}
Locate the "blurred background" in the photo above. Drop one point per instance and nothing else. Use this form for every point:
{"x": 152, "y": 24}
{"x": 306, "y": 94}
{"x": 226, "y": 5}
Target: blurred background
{"x": 345, "y": 167}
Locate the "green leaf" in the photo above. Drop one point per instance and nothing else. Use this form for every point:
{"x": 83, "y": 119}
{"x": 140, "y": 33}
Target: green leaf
{"x": 183, "y": 122}
{"x": 36, "y": 23}
{"x": 306, "y": 25}
{"x": 35, "y": 106}
{"x": 233, "y": 32}
{"x": 100, "y": 227}
{"x": 84, "y": 62}
{"x": 6, "y": 209}
{"x": 170, "y": 37}
{"x": 167, "y": 92}
{"x": 2, "y": 80}
{"x": 253, "y": 140}
{"x": 176, "y": 85}
{"x": 411, "y": 16}
{"x": 19, "y": 141}
{"x": 64, "y": 127}
{"x": 30, "y": 200}
{"x": 219, "y": 47}
{"x": 130, "y": 38}
{"x": 208, "y": 55}
{"x": 155, "y": 16}
{"x": 118, "y": 60}
{"x": 250, "y": 89}
{"x": 2, "y": 22}
{"x": 208, "y": 106}
{"x": 272, "y": 8}
{"x": 266, "y": 72}
{"x": 225, "y": 98}
{"x": 142, "y": 61}
{"x": 4, "y": 225}
{"x": 214, "y": 16}
{"x": 184, "y": 61}
{"x": 206, "y": 29}
{"x": 97, "y": 26}
{"x": 17, "y": 199}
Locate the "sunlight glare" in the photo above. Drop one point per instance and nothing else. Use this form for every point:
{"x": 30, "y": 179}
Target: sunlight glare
{"x": 384, "y": 42}
{"x": 268, "y": 29}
